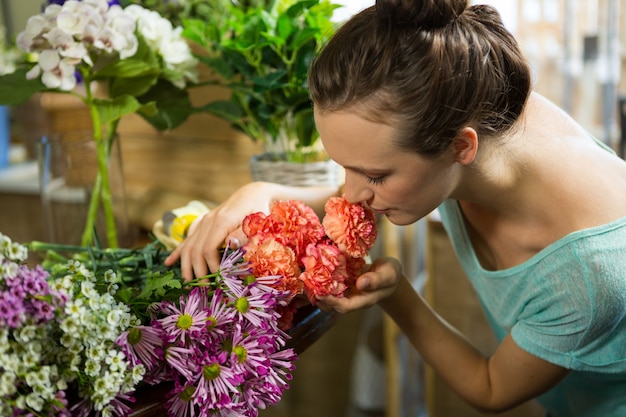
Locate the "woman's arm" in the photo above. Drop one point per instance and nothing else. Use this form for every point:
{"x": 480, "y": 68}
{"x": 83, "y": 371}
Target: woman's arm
{"x": 497, "y": 383}
{"x": 199, "y": 252}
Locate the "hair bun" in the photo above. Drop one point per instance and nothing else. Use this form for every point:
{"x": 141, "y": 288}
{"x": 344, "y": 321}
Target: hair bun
{"x": 420, "y": 13}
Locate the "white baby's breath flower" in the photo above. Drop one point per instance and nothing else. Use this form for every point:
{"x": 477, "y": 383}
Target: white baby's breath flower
{"x": 25, "y": 334}
{"x": 116, "y": 361}
{"x": 71, "y": 326}
{"x": 10, "y": 269}
{"x": 137, "y": 373}
{"x": 11, "y": 363}
{"x": 5, "y": 244}
{"x": 20, "y": 401}
{"x": 88, "y": 290}
{"x": 76, "y": 349}
{"x": 35, "y": 401}
{"x": 30, "y": 359}
{"x": 92, "y": 367}
{"x": 67, "y": 339}
{"x": 76, "y": 309}
{"x": 110, "y": 276}
{"x": 97, "y": 352}
{"x": 8, "y": 384}
{"x": 114, "y": 317}
{"x": 17, "y": 252}
{"x": 61, "y": 384}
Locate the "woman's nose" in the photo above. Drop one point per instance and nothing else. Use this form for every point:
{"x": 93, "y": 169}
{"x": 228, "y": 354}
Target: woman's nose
{"x": 356, "y": 189}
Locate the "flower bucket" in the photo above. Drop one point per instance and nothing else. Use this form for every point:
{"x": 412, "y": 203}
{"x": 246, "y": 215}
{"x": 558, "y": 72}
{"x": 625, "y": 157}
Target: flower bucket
{"x": 263, "y": 168}
{"x": 68, "y": 169}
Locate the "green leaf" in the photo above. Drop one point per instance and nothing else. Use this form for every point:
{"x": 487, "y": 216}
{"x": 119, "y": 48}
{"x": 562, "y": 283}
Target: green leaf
{"x": 135, "y": 86}
{"x": 158, "y": 285}
{"x": 305, "y": 127}
{"x": 302, "y": 37}
{"x": 227, "y": 110}
{"x": 114, "y": 109}
{"x": 16, "y": 89}
{"x": 284, "y": 26}
{"x": 219, "y": 65}
{"x": 173, "y": 106}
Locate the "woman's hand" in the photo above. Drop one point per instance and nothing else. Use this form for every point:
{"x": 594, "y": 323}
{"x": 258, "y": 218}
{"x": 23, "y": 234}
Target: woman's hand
{"x": 199, "y": 252}
{"x": 379, "y": 282}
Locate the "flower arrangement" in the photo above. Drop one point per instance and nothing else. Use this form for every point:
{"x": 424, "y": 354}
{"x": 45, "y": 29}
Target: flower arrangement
{"x": 313, "y": 257}
{"x": 141, "y": 60}
{"x": 261, "y": 52}
{"x": 79, "y": 335}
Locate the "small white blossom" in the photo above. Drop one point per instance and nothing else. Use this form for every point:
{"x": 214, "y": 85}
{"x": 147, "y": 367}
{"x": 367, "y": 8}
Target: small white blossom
{"x": 34, "y": 401}
{"x": 8, "y": 384}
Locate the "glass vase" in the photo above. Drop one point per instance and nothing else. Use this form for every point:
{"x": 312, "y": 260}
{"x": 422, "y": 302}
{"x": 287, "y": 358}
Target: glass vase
{"x": 68, "y": 170}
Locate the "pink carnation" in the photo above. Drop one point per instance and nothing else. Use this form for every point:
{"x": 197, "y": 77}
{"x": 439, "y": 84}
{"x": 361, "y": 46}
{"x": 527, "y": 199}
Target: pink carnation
{"x": 351, "y": 226}
{"x": 325, "y": 271}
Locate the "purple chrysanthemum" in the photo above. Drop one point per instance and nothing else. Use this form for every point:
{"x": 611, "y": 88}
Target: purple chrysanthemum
{"x": 259, "y": 309}
{"x": 180, "y": 360}
{"x": 219, "y": 314}
{"x": 143, "y": 345}
{"x": 186, "y": 320}
{"x": 217, "y": 380}
{"x": 180, "y": 402}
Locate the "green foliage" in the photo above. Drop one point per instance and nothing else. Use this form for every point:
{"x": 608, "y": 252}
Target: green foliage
{"x": 143, "y": 278}
{"x": 262, "y": 53}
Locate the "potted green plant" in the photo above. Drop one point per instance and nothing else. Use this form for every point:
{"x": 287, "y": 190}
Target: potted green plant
{"x": 261, "y": 51}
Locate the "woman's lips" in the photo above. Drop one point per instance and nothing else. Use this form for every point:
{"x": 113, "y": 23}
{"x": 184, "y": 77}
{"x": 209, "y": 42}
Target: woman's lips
{"x": 378, "y": 211}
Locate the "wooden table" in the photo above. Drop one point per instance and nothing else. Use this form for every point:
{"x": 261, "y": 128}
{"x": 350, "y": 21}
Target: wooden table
{"x": 311, "y": 324}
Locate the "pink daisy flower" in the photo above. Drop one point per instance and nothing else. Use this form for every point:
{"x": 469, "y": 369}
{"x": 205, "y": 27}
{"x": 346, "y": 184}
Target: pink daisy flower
{"x": 186, "y": 320}
{"x": 143, "y": 345}
{"x": 180, "y": 402}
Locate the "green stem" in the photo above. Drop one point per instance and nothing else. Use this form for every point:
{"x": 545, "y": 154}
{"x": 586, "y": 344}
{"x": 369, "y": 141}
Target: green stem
{"x": 102, "y": 186}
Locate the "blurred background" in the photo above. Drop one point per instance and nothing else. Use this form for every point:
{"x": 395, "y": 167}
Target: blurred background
{"x": 362, "y": 367}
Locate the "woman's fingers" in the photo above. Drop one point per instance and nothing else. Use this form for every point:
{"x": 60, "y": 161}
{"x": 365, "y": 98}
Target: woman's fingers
{"x": 372, "y": 286}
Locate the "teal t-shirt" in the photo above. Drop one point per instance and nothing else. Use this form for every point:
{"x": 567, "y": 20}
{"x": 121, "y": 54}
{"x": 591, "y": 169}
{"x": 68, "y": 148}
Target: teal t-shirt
{"x": 566, "y": 305}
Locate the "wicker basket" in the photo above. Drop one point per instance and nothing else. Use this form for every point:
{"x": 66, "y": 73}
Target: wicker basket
{"x": 297, "y": 174}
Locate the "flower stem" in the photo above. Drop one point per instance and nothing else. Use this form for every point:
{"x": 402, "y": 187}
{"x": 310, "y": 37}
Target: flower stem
{"x": 102, "y": 186}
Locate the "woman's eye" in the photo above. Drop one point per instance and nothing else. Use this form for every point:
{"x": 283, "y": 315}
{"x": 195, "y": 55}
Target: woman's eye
{"x": 375, "y": 180}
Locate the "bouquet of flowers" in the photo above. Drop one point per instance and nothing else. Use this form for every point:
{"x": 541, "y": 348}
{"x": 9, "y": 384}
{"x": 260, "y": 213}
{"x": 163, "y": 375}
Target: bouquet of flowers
{"x": 137, "y": 59}
{"x": 314, "y": 257}
{"x": 79, "y": 334}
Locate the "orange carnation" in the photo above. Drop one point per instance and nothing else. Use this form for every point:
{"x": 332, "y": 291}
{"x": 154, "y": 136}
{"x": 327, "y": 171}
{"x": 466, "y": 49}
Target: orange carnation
{"x": 351, "y": 226}
{"x": 291, "y": 223}
{"x": 271, "y": 258}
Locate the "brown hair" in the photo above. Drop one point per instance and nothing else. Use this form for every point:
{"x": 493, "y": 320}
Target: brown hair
{"x": 429, "y": 67}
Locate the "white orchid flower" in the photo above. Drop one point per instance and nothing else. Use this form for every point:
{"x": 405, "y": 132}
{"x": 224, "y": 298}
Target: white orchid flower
{"x": 167, "y": 42}
{"x": 34, "y": 27}
{"x": 66, "y": 46}
{"x": 57, "y": 72}
{"x": 118, "y": 33}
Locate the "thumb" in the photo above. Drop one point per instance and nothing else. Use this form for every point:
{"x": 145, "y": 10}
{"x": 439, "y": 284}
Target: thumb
{"x": 236, "y": 239}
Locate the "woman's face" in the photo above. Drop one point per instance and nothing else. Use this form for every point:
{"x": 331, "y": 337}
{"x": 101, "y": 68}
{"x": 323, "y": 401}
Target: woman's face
{"x": 402, "y": 185}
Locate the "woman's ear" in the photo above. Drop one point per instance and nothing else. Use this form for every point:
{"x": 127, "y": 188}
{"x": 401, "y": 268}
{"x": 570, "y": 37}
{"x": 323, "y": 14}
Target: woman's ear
{"x": 465, "y": 146}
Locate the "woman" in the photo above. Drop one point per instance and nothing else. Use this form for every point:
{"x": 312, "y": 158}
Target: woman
{"x": 428, "y": 104}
